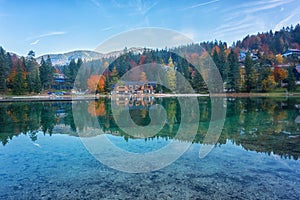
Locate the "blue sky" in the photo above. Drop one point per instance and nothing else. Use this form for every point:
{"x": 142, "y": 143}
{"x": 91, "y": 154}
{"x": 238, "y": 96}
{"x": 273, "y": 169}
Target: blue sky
{"x": 65, "y": 25}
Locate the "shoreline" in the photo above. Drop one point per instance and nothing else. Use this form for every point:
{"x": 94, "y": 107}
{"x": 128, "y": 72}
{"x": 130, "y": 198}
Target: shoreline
{"x": 27, "y": 98}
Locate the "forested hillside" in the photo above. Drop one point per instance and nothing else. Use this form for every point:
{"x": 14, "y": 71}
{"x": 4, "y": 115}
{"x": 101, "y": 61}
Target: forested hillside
{"x": 254, "y": 64}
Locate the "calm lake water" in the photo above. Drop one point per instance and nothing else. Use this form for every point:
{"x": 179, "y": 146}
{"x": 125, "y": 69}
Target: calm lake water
{"x": 256, "y": 156}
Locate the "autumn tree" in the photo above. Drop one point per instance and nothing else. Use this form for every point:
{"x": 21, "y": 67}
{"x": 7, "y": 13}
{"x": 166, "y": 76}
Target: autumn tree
{"x": 171, "y": 75}
{"x": 96, "y": 83}
{"x": 268, "y": 84}
{"x": 279, "y": 59}
{"x": 280, "y": 74}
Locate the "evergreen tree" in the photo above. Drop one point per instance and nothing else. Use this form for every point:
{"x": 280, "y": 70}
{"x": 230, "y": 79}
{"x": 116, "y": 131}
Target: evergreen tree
{"x": 72, "y": 70}
{"x": 31, "y": 67}
{"x": 18, "y": 81}
{"x": 50, "y": 71}
{"x": 106, "y": 85}
{"x": 263, "y": 75}
{"x": 219, "y": 59}
{"x": 114, "y": 77}
{"x": 223, "y": 65}
{"x": 234, "y": 72}
{"x": 82, "y": 77}
{"x": 159, "y": 86}
{"x": 31, "y": 64}
{"x": 198, "y": 83}
{"x": 29, "y": 82}
{"x": 291, "y": 80}
{"x": 37, "y": 83}
{"x": 43, "y": 73}
{"x": 46, "y": 73}
{"x": 250, "y": 73}
{"x": 3, "y": 70}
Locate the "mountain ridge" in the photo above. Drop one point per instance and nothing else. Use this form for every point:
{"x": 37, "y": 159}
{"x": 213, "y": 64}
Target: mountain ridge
{"x": 61, "y": 59}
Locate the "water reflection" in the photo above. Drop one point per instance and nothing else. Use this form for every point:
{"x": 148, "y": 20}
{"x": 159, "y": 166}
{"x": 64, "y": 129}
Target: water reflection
{"x": 269, "y": 125}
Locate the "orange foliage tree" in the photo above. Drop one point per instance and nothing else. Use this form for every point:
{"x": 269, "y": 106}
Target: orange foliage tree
{"x": 280, "y": 74}
{"x": 96, "y": 83}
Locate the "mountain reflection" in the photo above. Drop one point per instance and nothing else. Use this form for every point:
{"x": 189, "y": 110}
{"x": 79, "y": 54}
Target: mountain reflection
{"x": 269, "y": 125}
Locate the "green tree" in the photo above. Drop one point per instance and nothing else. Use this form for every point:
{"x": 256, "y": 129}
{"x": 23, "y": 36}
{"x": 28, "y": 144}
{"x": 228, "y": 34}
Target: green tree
{"x": 106, "y": 85}
{"x": 19, "y": 81}
{"x": 263, "y": 75}
{"x": 46, "y": 73}
{"x": 73, "y": 69}
{"x": 37, "y": 83}
{"x": 50, "y": 70}
{"x": 31, "y": 63}
{"x": 43, "y": 73}
{"x": 4, "y": 70}
{"x": 198, "y": 83}
{"x": 219, "y": 58}
{"x": 250, "y": 74}
{"x": 291, "y": 80}
{"x": 114, "y": 76}
{"x": 29, "y": 82}
{"x": 234, "y": 72}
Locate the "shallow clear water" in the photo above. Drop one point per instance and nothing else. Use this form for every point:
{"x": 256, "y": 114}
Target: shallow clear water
{"x": 256, "y": 156}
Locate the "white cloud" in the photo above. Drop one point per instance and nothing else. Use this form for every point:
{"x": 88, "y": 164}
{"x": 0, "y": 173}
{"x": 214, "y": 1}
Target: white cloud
{"x": 36, "y": 39}
{"x": 200, "y": 4}
{"x": 35, "y": 42}
{"x": 51, "y": 34}
{"x": 46, "y": 35}
{"x": 267, "y": 6}
{"x": 284, "y": 22}
{"x": 107, "y": 28}
{"x": 255, "y": 6}
{"x": 250, "y": 18}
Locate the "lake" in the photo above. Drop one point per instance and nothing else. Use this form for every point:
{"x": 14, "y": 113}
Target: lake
{"x": 56, "y": 150}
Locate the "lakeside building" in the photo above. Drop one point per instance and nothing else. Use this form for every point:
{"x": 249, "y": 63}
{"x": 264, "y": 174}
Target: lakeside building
{"x": 291, "y": 52}
{"x": 128, "y": 88}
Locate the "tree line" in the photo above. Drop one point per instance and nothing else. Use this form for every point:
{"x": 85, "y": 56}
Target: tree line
{"x": 24, "y": 75}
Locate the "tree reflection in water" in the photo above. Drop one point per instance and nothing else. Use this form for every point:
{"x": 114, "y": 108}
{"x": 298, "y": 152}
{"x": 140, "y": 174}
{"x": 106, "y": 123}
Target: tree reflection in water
{"x": 269, "y": 125}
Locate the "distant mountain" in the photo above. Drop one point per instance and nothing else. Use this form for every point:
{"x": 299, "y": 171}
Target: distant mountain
{"x": 65, "y": 58}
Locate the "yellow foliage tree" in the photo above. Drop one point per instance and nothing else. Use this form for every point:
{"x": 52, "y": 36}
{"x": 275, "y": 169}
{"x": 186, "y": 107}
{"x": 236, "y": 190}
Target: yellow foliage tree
{"x": 279, "y": 59}
{"x": 269, "y": 83}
